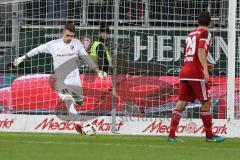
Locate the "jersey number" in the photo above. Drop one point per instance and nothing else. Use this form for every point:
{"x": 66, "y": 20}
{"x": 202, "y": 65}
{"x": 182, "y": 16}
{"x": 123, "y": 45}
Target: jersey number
{"x": 191, "y": 45}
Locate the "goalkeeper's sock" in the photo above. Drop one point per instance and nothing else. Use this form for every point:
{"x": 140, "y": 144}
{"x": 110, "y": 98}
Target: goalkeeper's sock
{"x": 207, "y": 122}
{"x": 175, "y": 119}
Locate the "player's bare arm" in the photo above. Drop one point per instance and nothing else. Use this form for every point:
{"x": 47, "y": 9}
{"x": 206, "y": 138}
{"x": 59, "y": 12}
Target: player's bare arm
{"x": 203, "y": 60}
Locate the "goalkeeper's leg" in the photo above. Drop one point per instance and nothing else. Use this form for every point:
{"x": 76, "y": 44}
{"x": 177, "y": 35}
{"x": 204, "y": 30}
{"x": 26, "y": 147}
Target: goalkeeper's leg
{"x": 69, "y": 102}
{"x": 77, "y": 94}
{"x": 78, "y": 99}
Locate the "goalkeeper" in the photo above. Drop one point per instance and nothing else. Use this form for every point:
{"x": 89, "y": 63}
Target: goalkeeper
{"x": 65, "y": 52}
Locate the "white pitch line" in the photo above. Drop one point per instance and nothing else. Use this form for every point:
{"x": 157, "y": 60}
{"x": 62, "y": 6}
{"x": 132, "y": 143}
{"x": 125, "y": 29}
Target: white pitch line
{"x": 173, "y": 146}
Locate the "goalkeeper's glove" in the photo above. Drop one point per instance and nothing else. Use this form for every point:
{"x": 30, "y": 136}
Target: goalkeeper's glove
{"x": 19, "y": 60}
{"x": 102, "y": 75}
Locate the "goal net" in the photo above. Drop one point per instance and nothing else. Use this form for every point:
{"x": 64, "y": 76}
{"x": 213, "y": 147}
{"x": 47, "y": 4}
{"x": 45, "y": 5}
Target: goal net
{"x": 146, "y": 42}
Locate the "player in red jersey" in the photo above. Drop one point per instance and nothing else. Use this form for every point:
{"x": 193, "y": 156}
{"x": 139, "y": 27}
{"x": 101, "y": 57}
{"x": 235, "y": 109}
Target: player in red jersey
{"x": 194, "y": 76}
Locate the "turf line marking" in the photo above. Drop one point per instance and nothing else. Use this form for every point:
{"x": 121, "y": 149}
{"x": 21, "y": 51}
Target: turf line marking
{"x": 173, "y": 146}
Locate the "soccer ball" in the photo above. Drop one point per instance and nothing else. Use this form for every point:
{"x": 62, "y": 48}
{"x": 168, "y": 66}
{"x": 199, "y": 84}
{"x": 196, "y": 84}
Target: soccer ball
{"x": 88, "y": 129}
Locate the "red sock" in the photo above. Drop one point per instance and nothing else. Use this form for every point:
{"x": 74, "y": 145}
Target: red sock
{"x": 175, "y": 119}
{"x": 207, "y": 122}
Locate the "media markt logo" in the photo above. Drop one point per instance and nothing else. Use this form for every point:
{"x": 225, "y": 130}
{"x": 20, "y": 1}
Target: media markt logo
{"x": 104, "y": 126}
{"x": 190, "y": 127}
{"x": 52, "y": 124}
{"x": 7, "y": 123}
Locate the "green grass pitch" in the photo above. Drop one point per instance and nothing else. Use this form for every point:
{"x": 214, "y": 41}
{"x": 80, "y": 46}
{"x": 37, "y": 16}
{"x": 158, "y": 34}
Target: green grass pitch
{"x": 35, "y": 146}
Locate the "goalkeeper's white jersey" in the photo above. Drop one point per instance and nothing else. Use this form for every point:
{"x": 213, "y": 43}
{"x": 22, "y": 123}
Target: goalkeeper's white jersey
{"x": 65, "y": 58}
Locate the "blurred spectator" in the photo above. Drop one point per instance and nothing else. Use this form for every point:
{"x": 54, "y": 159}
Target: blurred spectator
{"x": 87, "y": 43}
{"x": 100, "y": 50}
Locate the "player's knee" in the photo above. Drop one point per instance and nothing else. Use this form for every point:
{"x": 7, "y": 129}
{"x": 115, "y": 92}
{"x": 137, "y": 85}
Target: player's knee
{"x": 206, "y": 105}
{"x": 181, "y": 105}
